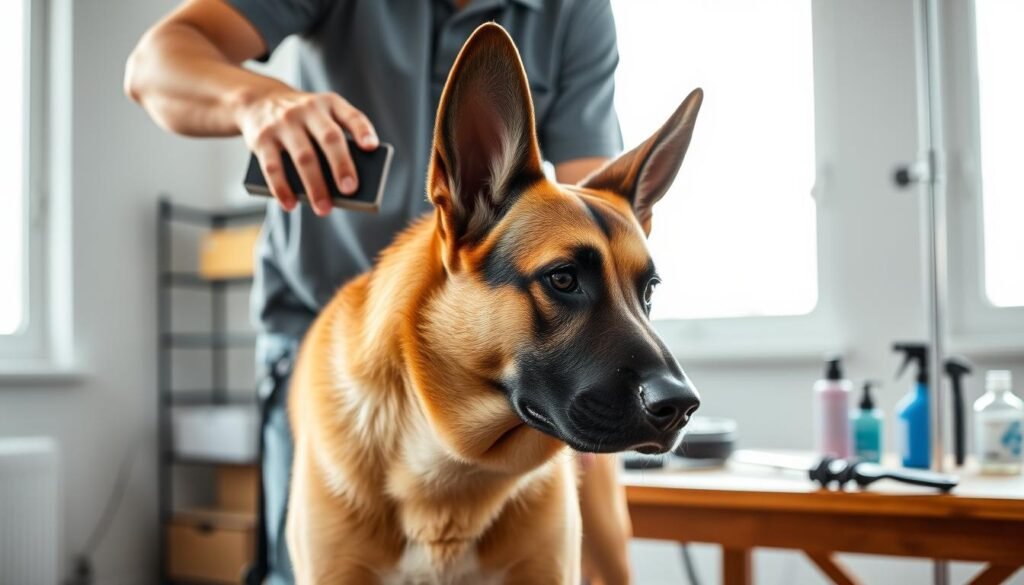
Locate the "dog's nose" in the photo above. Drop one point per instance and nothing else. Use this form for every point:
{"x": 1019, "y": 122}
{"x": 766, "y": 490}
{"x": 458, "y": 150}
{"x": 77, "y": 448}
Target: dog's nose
{"x": 668, "y": 402}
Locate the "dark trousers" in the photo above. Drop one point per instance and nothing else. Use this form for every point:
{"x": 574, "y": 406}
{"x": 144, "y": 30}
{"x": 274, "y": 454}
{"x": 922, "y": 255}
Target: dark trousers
{"x": 275, "y": 357}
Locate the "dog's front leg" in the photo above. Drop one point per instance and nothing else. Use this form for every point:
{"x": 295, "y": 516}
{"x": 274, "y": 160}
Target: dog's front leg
{"x": 553, "y": 571}
{"x": 326, "y": 545}
{"x": 558, "y": 564}
{"x": 538, "y": 538}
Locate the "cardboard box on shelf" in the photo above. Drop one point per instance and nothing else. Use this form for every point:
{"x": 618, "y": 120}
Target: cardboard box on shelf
{"x": 238, "y": 488}
{"x": 228, "y": 252}
{"x": 210, "y": 546}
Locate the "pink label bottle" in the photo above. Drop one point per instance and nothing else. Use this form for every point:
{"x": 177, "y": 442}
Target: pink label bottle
{"x": 832, "y": 435}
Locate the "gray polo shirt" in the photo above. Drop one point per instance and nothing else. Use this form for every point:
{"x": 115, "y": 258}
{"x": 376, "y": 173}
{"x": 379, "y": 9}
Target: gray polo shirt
{"x": 390, "y": 59}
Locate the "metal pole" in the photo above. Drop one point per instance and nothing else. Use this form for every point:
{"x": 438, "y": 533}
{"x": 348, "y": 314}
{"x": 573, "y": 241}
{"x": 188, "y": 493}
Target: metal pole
{"x": 934, "y": 226}
{"x": 218, "y": 333}
{"x": 164, "y": 476}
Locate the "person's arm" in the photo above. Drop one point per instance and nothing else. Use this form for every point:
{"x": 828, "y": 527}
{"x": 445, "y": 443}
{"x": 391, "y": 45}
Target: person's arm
{"x": 186, "y": 73}
{"x": 606, "y": 525}
{"x": 573, "y": 171}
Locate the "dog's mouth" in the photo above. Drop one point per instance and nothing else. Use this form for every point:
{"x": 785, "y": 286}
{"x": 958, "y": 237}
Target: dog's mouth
{"x": 610, "y": 442}
{"x": 533, "y": 417}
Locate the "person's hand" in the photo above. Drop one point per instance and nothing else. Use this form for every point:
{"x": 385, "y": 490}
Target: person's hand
{"x": 286, "y": 119}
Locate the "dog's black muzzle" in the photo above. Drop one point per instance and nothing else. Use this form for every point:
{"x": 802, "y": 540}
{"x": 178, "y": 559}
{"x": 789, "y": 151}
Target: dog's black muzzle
{"x": 646, "y": 414}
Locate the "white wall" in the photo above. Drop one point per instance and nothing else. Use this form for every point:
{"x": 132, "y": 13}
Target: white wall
{"x": 121, "y": 161}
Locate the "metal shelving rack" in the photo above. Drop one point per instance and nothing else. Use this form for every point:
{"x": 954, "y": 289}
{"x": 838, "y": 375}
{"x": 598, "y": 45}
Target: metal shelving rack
{"x": 217, "y": 340}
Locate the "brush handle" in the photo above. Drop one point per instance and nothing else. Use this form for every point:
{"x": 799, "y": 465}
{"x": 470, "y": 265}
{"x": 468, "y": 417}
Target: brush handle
{"x": 840, "y": 472}
{"x": 956, "y": 369}
{"x": 958, "y": 422}
{"x": 867, "y": 473}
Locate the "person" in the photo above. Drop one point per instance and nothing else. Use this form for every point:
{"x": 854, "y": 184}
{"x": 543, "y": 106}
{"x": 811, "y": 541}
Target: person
{"x": 374, "y": 70}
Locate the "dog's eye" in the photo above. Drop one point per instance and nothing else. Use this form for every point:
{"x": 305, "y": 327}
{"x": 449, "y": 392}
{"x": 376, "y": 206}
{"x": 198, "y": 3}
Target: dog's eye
{"x": 649, "y": 291}
{"x": 564, "y": 280}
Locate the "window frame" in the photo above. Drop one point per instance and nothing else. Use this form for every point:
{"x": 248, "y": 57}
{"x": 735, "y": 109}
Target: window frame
{"x": 789, "y": 337}
{"x": 29, "y": 342}
{"x": 976, "y": 325}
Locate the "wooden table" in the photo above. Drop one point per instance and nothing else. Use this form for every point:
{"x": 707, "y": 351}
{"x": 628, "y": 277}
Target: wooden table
{"x": 742, "y": 507}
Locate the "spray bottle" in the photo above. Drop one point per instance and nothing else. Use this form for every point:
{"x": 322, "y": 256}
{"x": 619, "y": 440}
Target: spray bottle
{"x": 913, "y": 413}
{"x": 956, "y": 369}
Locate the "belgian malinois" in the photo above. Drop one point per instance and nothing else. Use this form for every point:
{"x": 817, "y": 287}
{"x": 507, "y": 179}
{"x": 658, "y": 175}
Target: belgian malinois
{"x": 433, "y": 394}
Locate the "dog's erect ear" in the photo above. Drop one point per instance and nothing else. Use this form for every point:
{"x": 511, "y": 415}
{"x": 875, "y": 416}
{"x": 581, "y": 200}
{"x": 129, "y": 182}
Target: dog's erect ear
{"x": 485, "y": 148}
{"x": 644, "y": 174}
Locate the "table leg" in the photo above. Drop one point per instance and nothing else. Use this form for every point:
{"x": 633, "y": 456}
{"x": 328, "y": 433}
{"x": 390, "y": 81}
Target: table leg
{"x": 832, "y": 568}
{"x": 736, "y": 569}
{"x": 994, "y": 575}
{"x": 940, "y": 572}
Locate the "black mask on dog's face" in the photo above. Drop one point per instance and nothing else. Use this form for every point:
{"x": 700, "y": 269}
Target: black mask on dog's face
{"x": 598, "y": 376}
{"x": 593, "y": 371}
{"x": 586, "y": 365}
{"x": 602, "y": 408}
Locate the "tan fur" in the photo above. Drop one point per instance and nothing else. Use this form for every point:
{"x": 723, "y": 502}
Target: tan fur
{"x": 371, "y": 476}
{"x": 410, "y": 465}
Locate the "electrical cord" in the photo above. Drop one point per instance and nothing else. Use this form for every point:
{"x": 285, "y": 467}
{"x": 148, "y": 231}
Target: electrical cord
{"x": 114, "y": 501}
{"x": 688, "y": 564}
{"x": 83, "y": 570}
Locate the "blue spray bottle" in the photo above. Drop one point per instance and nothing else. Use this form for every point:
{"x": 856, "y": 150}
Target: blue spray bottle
{"x": 913, "y": 412}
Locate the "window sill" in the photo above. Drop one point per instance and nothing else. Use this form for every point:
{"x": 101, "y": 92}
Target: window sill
{"x": 21, "y": 374}
{"x": 993, "y": 345}
{"x": 763, "y": 341}
{"x": 763, "y": 354}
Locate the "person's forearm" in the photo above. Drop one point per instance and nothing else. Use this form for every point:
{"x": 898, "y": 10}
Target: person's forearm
{"x": 188, "y": 86}
{"x": 573, "y": 171}
{"x": 606, "y": 523}
{"x": 186, "y": 72}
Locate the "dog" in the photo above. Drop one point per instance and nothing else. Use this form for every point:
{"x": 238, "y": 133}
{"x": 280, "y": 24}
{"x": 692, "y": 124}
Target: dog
{"x": 433, "y": 395}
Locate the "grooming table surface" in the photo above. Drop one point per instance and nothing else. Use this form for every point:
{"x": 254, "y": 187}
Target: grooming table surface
{"x": 742, "y": 507}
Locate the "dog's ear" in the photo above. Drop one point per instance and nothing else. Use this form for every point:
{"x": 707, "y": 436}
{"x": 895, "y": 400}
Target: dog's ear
{"x": 644, "y": 174}
{"x": 485, "y": 148}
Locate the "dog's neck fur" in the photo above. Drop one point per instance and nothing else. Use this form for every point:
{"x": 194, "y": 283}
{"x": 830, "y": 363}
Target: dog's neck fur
{"x": 442, "y": 487}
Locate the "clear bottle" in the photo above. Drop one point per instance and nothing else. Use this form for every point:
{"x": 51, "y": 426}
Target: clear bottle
{"x": 998, "y": 423}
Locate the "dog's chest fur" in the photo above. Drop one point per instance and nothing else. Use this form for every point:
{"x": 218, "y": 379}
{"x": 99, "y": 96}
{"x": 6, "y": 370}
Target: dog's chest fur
{"x": 416, "y": 568}
{"x": 444, "y": 506}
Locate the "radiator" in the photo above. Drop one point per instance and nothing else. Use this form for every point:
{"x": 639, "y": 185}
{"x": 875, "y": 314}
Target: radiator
{"x": 29, "y": 512}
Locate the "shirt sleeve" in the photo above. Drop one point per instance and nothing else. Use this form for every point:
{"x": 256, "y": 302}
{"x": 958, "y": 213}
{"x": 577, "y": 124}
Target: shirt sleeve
{"x": 277, "y": 19}
{"x": 582, "y": 121}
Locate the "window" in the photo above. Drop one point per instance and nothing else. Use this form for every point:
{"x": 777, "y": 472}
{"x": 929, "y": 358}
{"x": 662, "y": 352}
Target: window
{"x": 27, "y": 342}
{"x": 982, "y": 123}
{"x": 13, "y": 167}
{"x": 1000, "y": 95}
{"x": 736, "y": 237}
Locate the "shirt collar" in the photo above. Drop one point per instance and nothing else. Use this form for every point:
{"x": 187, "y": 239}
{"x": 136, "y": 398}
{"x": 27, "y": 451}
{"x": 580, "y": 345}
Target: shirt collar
{"x": 477, "y": 6}
{"x": 534, "y": 4}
